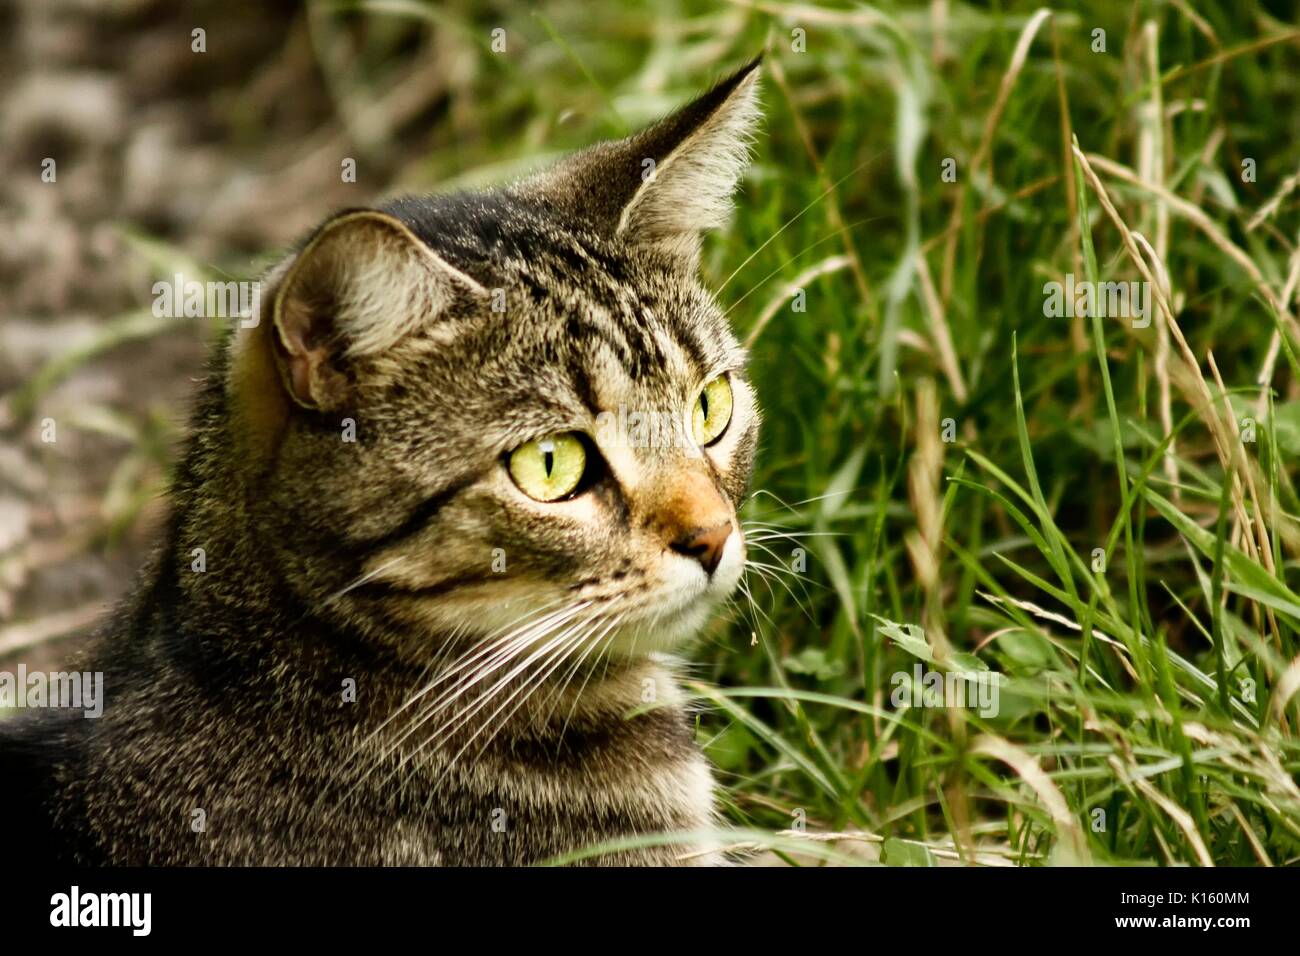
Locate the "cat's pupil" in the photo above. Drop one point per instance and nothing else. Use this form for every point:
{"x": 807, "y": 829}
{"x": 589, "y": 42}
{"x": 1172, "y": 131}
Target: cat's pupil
{"x": 549, "y": 461}
{"x": 704, "y": 404}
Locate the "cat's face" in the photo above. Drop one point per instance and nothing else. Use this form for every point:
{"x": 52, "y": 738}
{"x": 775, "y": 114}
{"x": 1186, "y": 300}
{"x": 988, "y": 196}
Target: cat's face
{"x": 516, "y": 412}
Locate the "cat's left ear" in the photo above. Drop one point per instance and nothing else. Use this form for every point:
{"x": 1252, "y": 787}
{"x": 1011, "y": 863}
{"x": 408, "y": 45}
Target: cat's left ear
{"x": 360, "y": 284}
{"x": 667, "y": 184}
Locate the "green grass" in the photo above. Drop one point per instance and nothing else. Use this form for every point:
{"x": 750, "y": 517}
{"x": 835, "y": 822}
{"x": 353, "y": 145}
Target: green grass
{"x": 1126, "y": 732}
{"x": 1147, "y": 710}
{"x": 1125, "y": 691}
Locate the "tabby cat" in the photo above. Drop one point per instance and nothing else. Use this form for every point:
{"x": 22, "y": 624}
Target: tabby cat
{"x": 425, "y": 563}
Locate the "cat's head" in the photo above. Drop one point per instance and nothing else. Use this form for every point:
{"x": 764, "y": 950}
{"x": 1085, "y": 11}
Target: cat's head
{"x": 516, "y": 407}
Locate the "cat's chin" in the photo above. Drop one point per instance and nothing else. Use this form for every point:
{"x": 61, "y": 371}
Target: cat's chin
{"x": 665, "y": 631}
{"x": 687, "y": 601}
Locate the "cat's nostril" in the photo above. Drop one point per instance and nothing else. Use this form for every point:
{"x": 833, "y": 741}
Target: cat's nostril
{"x": 704, "y": 544}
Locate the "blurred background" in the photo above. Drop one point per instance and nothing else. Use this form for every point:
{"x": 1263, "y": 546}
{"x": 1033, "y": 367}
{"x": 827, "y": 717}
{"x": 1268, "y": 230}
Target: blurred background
{"x": 952, "y": 477}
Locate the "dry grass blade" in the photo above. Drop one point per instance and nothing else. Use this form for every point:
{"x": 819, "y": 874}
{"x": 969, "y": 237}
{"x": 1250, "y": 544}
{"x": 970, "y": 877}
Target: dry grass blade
{"x": 983, "y": 151}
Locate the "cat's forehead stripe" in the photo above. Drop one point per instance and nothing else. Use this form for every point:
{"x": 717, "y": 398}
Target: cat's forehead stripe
{"x": 612, "y": 327}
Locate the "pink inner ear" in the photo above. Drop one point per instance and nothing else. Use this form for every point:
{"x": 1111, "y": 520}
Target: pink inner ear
{"x": 300, "y": 366}
{"x": 300, "y": 347}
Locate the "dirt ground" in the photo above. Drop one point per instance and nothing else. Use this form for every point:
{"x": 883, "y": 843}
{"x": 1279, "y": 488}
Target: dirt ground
{"x": 131, "y": 154}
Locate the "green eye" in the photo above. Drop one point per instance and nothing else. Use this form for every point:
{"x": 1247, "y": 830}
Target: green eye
{"x": 549, "y": 468}
{"x": 712, "y": 411}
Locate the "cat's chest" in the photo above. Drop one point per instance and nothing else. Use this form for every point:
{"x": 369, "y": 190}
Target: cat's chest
{"x": 526, "y": 800}
{"x": 511, "y": 819}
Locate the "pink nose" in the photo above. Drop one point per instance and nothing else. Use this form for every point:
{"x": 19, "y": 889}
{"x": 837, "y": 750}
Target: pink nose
{"x": 704, "y": 544}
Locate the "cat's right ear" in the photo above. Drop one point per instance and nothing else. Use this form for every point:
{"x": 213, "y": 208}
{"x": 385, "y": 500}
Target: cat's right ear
{"x": 668, "y": 183}
{"x": 362, "y": 283}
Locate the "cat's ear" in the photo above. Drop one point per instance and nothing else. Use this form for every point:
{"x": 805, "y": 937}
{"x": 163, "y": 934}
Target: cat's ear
{"x": 671, "y": 181}
{"x": 361, "y": 283}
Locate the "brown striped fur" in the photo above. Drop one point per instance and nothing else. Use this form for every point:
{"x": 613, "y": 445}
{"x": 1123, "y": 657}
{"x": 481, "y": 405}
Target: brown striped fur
{"x": 372, "y": 561}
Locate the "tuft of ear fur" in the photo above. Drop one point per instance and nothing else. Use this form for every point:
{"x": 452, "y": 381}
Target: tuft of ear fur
{"x": 671, "y": 181}
{"x": 362, "y": 283}
{"x": 689, "y": 190}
